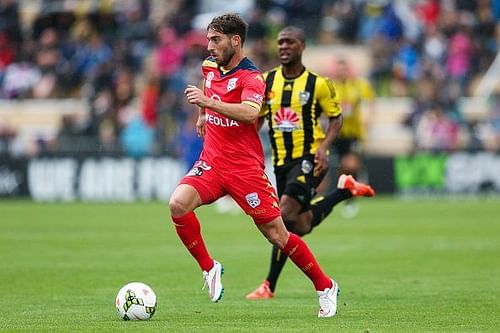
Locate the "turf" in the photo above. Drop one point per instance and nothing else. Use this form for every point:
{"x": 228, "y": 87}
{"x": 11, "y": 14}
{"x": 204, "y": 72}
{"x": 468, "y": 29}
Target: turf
{"x": 403, "y": 266}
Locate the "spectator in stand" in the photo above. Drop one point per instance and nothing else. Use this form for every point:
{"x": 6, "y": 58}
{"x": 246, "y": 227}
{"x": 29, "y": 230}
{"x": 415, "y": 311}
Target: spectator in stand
{"x": 47, "y": 58}
{"x": 406, "y": 68}
{"x": 94, "y": 53}
{"x": 137, "y": 137}
{"x": 434, "y": 45}
{"x": 460, "y": 52}
{"x": 189, "y": 144}
{"x": 490, "y": 129}
{"x": 347, "y": 14}
{"x": 150, "y": 99}
{"x": 7, "y": 54}
{"x": 428, "y": 12}
{"x": 10, "y": 23}
{"x": 453, "y": 40}
{"x": 495, "y": 7}
{"x": 7, "y": 136}
{"x": 436, "y": 131}
{"x": 371, "y": 20}
{"x": 168, "y": 55}
{"x": 20, "y": 78}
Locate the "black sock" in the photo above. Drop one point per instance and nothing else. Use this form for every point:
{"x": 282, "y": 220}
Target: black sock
{"x": 324, "y": 206}
{"x": 278, "y": 260}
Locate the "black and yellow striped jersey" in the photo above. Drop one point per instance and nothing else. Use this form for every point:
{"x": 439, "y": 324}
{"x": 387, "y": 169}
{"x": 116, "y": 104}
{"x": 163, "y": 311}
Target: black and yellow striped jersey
{"x": 352, "y": 93}
{"x": 293, "y": 108}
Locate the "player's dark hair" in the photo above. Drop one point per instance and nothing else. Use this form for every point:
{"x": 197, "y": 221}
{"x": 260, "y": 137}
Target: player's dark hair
{"x": 230, "y": 24}
{"x": 299, "y": 32}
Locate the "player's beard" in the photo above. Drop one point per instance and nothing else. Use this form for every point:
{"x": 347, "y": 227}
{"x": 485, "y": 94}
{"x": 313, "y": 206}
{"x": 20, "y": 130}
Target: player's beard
{"x": 226, "y": 56}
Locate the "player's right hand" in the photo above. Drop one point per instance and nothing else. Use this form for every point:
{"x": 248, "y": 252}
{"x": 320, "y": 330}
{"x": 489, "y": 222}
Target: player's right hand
{"x": 194, "y": 95}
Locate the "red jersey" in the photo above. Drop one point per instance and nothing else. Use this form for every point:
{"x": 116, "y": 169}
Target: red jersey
{"x": 229, "y": 142}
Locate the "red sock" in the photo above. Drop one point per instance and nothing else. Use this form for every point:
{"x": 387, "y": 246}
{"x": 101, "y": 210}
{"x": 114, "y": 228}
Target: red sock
{"x": 297, "y": 250}
{"x": 189, "y": 231}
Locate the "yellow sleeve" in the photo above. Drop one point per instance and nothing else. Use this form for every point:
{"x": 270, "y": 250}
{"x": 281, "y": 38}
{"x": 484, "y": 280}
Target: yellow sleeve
{"x": 328, "y": 98}
{"x": 264, "y": 110}
{"x": 367, "y": 92}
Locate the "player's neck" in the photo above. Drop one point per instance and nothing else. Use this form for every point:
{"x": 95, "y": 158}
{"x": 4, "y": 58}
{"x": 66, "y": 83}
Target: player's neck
{"x": 235, "y": 61}
{"x": 292, "y": 71}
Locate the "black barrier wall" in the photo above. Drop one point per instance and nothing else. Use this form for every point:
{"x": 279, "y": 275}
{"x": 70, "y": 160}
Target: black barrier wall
{"x": 126, "y": 179}
{"x": 90, "y": 179}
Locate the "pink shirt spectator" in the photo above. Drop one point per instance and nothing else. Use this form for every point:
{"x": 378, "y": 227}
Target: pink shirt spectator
{"x": 460, "y": 53}
{"x": 169, "y": 55}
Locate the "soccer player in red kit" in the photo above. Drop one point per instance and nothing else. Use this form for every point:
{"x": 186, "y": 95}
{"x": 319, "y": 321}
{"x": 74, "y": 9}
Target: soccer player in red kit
{"x": 232, "y": 161}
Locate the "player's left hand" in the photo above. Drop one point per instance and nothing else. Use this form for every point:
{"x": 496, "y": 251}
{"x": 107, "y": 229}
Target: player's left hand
{"x": 194, "y": 95}
{"x": 200, "y": 125}
{"x": 320, "y": 161}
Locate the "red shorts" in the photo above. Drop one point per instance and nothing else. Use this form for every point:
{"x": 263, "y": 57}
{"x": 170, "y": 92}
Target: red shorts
{"x": 250, "y": 188}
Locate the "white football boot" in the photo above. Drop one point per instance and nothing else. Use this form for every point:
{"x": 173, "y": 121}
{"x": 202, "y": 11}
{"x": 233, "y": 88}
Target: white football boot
{"x": 328, "y": 301}
{"x": 212, "y": 280}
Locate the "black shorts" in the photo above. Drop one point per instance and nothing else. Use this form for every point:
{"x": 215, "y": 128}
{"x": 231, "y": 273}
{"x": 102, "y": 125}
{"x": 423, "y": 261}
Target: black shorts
{"x": 346, "y": 146}
{"x": 297, "y": 180}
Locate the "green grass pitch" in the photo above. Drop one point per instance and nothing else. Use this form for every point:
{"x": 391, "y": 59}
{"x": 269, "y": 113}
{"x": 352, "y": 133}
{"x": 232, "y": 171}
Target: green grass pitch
{"x": 403, "y": 266}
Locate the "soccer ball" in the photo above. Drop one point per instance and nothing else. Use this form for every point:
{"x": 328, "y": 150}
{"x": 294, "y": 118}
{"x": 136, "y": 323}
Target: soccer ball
{"x": 136, "y": 301}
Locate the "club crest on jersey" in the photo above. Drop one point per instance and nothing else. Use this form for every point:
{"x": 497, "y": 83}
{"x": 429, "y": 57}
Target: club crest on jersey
{"x": 253, "y": 199}
{"x": 208, "y": 81}
{"x": 286, "y": 120}
{"x": 304, "y": 97}
{"x": 231, "y": 84}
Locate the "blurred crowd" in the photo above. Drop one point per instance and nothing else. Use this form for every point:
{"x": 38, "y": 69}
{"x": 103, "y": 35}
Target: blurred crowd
{"x": 131, "y": 67}
{"x": 434, "y": 51}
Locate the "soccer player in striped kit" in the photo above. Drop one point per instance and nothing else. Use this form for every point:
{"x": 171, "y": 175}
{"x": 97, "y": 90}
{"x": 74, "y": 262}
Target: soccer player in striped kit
{"x": 295, "y": 99}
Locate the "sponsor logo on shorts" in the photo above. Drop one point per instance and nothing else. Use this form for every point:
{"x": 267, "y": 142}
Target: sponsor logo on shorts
{"x": 253, "y": 199}
{"x": 203, "y": 165}
{"x": 195, "y": 171}
{"x": 198, "y": 168}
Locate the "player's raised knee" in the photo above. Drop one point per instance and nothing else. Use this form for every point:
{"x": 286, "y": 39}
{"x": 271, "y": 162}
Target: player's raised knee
{"x": 178, "y": 205}
{"x": 184, "y": 200}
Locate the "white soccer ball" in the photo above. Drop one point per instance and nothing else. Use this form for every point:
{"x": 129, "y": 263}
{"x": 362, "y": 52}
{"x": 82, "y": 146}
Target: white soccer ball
{"x": 136, "y": 301}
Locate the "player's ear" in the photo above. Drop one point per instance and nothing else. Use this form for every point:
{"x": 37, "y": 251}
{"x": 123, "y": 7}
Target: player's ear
{"x": 235, "y": 40}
